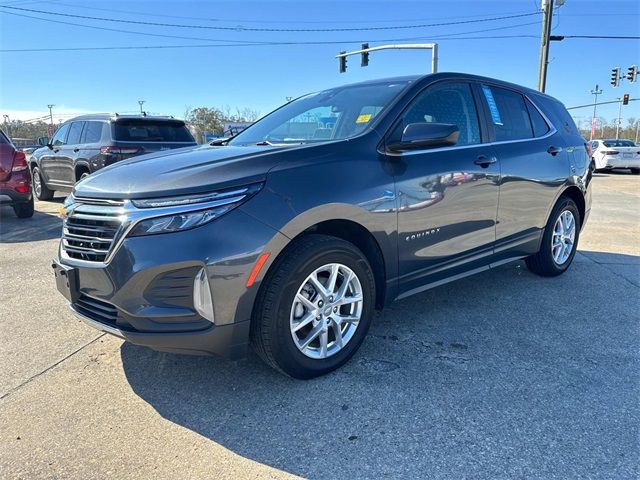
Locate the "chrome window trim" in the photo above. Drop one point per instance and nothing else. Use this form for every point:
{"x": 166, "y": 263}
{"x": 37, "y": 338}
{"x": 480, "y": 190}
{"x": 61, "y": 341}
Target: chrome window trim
{"x": 552, "y": 131}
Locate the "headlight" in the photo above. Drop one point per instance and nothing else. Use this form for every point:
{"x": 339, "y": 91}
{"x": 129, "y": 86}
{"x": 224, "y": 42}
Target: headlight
{"x": 175, "y": 223}
{"x": 187, "y": 211}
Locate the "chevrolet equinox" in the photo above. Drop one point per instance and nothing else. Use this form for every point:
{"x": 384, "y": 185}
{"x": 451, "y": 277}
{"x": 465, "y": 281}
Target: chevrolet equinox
{"x": 290, "y": 234}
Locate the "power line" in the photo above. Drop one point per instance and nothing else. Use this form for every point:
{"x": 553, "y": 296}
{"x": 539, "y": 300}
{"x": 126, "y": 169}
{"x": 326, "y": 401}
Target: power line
{"x": 241, "y": 28}
{"x": 229, "y": 20}
{"x": 610, "y": 37}
{"x": 216, "y": 45}
{"x": 241, "y": 42}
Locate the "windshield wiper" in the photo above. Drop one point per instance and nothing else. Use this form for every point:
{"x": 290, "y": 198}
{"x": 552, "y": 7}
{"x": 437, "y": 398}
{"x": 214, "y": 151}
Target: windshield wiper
{"x": 267, "y": 142}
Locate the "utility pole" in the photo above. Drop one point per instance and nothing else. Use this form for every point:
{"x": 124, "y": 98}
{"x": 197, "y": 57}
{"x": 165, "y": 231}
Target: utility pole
{"x": 7, "y": 125}
{"x": 619, "y": 120}
{"x": 637, "y": 129}
{"x": 596, "y": 91}
{"x": 141, "y": 102}
{"x": 547, "y": 12}
{"x": 50, "y": 113}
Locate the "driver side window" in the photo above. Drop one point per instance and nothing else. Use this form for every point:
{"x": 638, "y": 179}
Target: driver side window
{"x": 450, "y": 103}
{"x": 61, "y": 136}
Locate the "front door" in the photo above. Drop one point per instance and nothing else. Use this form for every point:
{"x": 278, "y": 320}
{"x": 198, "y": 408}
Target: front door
{"x": 447, "y": 197}
{"x": 49, "y": 162}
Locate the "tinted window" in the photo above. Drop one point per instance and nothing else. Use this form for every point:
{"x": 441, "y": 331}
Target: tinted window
{"x": 619, "y": 143}
{"x": 61, "y": 135}
{"x": 92, "y": 132}
{"x": 540, "y": 126}
{"x": 450, "y": 103}
{"x": 509, "y": 114}
{"x": 74, "y": 133}
{"x": 150, "y": 131}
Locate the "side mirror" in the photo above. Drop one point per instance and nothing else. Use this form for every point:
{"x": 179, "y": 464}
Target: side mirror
{"x": 43, "y": 141}
{"x": 420, "y": 135}
{"x": 49, "y": 146}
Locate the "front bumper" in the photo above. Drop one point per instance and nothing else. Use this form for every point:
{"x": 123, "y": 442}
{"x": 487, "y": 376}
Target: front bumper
{"x": 145, "y": 293}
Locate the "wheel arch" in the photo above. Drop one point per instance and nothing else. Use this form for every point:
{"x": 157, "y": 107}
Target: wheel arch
{"x": 80, "y": 168}
{"x": 575, "y": 194}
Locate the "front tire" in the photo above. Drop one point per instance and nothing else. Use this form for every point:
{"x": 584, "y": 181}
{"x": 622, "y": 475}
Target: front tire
{"x": 40, "y": 189}
{"x": 635, "y": 171}
{"x": 24, "y": 210}
{"x": 559, "y": 241}
{"x": 315, "y": 307}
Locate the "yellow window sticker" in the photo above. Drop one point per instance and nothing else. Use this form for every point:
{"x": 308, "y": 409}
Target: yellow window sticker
{"x": 363, "y": 118}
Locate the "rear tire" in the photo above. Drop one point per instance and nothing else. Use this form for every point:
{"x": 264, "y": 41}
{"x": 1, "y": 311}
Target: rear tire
{"x": 24, "y": 210}
{"x": 40, "y": 189}
{"x": 282, "y": 323}
{"x": 554, "y": 256}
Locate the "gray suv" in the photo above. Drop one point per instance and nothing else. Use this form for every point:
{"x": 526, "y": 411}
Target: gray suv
{"x": 88, "y": 143}
{"x": 288, "y": 236}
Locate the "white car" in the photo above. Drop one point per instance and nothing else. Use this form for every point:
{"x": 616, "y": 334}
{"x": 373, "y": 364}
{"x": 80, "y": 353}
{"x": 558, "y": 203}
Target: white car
{"x": 608, "y": 154}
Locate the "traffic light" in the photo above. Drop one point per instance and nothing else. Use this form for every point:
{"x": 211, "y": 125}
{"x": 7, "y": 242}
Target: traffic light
{"x": 632, "y": 73}
{"x": 625, "y": 99}
{"x": 615, "y": 76}
{"x": 364, "y": 56}
{"x": 343, "y": 62}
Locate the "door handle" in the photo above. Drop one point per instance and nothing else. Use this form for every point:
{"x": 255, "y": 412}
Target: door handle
{"x": 553, "y": 151}
{"x": 76, "y": 150}
{"x": 484, "y": 161}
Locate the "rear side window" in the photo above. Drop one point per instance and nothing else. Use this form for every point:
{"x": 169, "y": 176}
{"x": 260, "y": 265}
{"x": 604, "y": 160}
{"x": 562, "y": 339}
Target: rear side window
{"x": 509, "y": 114}
{"x": 74, "y": 133}
{"x": 450, "y": 103}
{"x": 540, "y": 127}
{"x": 4, "y": 139}
{"x": 92, "y": 132}
{"x": 150, "y": 131}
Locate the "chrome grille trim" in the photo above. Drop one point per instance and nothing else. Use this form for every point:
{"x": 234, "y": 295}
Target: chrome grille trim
{"x": 94, "y": 229}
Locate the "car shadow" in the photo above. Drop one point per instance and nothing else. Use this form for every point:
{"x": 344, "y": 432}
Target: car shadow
{"x": 42, "y": 226}
{"x": 468, "y": 379}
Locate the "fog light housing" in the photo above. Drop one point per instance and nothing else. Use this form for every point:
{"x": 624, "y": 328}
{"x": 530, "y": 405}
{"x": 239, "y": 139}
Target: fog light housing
{"x": 202, "y": 300}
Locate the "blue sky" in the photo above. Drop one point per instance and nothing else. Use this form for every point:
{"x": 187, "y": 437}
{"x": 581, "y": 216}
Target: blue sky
{"x": 261, "y": 77}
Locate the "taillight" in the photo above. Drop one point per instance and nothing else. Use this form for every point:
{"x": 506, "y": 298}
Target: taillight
{"x": 589, "y": 149}
{"x": 120, "y": 150}
{"x": 19, "y": 162}
{"x": 611, "y": 152}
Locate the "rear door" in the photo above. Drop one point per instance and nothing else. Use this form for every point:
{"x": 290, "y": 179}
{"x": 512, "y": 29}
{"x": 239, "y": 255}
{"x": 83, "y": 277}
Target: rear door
{"x": 534, "y": 161}
{"x": 145, "y": 135}
{"x": 447, "y": 198}
{"x": 69, "y": 153}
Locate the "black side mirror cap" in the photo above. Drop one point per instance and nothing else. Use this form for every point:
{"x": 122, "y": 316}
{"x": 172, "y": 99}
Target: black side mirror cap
{"x": 430, "y": 135}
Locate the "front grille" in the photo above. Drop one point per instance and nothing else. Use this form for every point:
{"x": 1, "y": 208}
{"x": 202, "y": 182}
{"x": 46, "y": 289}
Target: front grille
{"x": 97, "y": 310}
{"x": 89, "y": 231}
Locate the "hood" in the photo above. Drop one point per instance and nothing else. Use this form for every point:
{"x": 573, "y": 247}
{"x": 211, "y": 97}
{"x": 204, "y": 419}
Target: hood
{"x": 182, "y": 171}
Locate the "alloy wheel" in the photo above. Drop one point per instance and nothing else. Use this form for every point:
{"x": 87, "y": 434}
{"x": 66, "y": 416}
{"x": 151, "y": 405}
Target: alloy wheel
{"x": 326, "y": 311}
{"x": 37, "y": 185}
{"x": 563, "y": 238}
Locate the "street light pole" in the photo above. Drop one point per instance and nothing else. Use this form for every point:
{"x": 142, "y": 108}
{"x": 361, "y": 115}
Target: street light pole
{"x": 619, "y": 121}
{"x": 141, "y": 102}
{"x": 596, "y": 91}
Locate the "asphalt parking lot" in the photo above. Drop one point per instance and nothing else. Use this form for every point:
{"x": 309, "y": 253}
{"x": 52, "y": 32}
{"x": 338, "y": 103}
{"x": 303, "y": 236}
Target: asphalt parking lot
{"x": 501, "y": 375}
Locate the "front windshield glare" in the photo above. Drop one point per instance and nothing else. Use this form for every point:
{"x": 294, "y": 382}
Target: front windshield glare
{"x": 334, "y": 114}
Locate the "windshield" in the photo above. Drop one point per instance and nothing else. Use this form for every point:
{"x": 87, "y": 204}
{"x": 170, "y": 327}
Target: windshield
{"x": 334, "y": 114}
{"x": 619, "y": 143}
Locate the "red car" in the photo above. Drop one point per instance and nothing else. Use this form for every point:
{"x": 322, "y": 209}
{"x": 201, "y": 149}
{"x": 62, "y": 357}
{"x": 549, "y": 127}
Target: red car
{"x": 15, "y": 179}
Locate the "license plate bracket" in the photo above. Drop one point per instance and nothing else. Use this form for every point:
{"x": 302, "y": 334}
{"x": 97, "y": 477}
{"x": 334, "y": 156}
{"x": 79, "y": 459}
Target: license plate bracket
{"x": 66, "y": 280}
